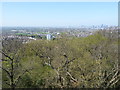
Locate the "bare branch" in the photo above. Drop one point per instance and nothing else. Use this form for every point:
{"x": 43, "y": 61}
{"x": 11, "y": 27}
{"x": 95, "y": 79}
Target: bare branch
{"x": 4, "y": 59}
{"x": 72, "y": 77}
{"x": 7, "y": 83}
{"x": 113, "y": 79}
{"x": 67, "y": 62}
{"x": 6, "y": 71}
{"x": 17, "y": 80}
{"x": 6, "y": 55}
{"x": 115, "y": 82}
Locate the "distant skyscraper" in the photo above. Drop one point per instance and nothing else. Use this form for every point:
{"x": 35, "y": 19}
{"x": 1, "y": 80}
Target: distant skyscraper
{"x": 48, "y": 36}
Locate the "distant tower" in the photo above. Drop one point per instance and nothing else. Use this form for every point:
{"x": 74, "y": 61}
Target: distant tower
{"x": 48, "y": 36}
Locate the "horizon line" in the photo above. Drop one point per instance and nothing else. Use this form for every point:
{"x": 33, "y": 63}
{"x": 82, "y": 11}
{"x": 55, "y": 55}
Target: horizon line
{"x": 64, "y": 26}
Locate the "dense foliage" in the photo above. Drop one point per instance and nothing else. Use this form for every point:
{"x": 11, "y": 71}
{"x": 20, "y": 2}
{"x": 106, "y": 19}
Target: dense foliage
{"x": 87, "y": 62}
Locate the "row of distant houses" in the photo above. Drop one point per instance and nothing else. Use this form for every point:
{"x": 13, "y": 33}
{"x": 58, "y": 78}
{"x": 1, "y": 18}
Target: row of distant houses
{"x": 32, "y": 37}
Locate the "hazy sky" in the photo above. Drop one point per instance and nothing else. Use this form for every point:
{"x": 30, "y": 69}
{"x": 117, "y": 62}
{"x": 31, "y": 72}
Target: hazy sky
{"x": 59, "y": 13}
